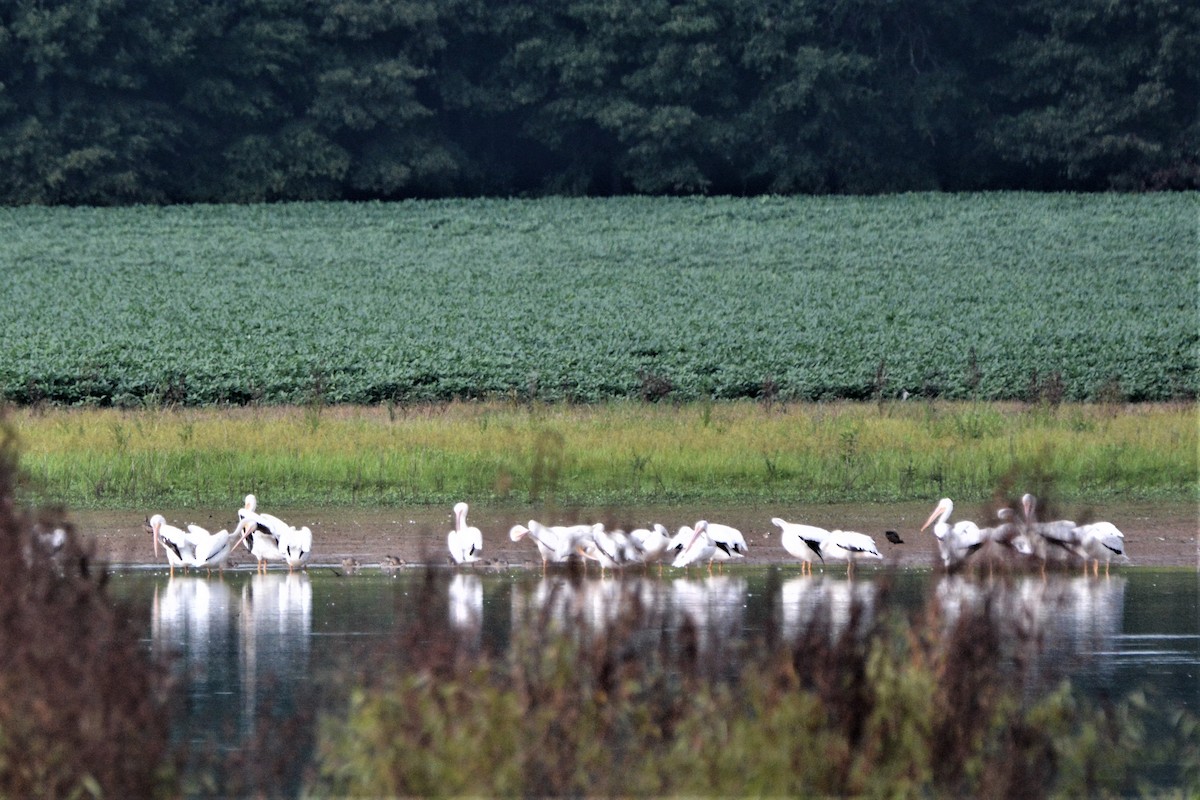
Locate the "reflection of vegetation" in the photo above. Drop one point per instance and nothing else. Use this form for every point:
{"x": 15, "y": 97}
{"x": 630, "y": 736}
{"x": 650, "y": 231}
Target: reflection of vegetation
{"x": 877, "y": 707}
{"x": 82, "y": 706}
{"x": 719, "y": 452}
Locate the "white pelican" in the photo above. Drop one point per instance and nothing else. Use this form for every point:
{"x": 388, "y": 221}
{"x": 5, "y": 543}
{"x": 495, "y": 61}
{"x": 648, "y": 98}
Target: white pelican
{"x": 1055, "y": 540}
{"x": 1101, "y": 540}
{"x": 465, "y": 542}
{"x": 955, "y": 543}
{"x": 211, "y": 549}
{"x": 545, "y": 539}
{"x": 179, "y": 544}
{"x": 699, "y": 547}
{"x": 848, "y": 546}
{"x": 728, "y": 539}
{"x": 295, "y": 545}
{"x": 602, "y": 548}
{"x": 653, "y": 543}
{"x": 263, "y": 531}
{"x": 561, "y": 541}
{"x": 801, "y": 541}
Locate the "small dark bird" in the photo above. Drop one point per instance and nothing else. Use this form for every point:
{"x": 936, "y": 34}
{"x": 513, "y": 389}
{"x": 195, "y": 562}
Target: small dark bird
{"x": 893, "y": 537}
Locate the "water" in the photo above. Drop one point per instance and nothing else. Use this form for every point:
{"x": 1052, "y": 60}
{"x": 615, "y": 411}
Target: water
{"x": 249, "y": 644}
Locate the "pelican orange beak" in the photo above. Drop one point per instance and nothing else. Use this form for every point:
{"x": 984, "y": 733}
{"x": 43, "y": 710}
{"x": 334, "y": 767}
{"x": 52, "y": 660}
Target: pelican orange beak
{"x": 153, "y": 536}
{"x": 937, "y": 512}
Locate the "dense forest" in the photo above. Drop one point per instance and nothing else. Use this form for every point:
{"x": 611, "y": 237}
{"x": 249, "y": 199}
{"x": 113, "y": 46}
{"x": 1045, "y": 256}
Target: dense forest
{"x": 126, "y": 101}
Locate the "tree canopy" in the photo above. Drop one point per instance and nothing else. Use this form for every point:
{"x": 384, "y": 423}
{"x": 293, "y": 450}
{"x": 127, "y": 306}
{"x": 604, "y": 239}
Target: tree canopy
{"x": 122, "y": 101}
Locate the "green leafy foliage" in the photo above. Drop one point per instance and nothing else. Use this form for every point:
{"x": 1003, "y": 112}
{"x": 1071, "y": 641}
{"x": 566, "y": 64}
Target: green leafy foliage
{"x": 1031, "y": 297}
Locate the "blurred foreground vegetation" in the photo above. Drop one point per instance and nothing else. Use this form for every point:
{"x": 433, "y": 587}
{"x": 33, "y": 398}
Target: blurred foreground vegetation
{"x": 941, "y": 705}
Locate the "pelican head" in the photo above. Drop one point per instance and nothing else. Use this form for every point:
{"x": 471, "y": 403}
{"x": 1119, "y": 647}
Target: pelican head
{"x": 156, "y": 522}
{"x": 1028, "y": 505}
{"x": 251, "y": 502}
{"x": 517, "y": 532}
{"x": 944, "y": 509}
{"x": 460, "y": 516}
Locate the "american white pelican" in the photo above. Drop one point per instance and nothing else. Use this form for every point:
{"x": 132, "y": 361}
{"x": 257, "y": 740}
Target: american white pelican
{"x": 546, "y": 545}
{"x": 465, "y": 541}
{"x": 955, "y": 543}
{"x": 728, "y": 539}
{"x": 801, "y": 541}
{"x": 562, "y": 540}
{"x": 1101, "y": 540}
{"x": 263, "y": 532}
{"x": 602, "y": 548}
{"x": 699, "y": 547}
{"x": 848, "y": 546}
{"x": 295, "y": 545}
{"x": 212, "y": 550}
{"x": 179, "y": 544}
{"x": 1057, "y": 540}
{"x": 652, "y": 543}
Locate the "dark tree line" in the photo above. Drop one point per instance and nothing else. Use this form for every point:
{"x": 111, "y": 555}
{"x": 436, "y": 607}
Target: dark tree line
{"x": 123, "y": 101}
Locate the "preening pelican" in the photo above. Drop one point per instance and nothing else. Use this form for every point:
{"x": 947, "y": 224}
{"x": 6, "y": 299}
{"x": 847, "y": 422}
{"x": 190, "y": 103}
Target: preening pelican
{"x": 848, "y": 546}
{"x": 212, "y": 550}
{"x": 653, "y": 543}
{"x": 262, "y": 530}
{"x": 1101, "y": 540}
{"x": 295, "y": 546}
{"x": 465, "y": 542}
{"x": 801, "y": 541}
{"x": 728, "y": 539}
{"x": 699, "y": 547}
{"x": 546, "y": 547}
{"x": 179, "y": 544}
{"x": 1057, "y": 540}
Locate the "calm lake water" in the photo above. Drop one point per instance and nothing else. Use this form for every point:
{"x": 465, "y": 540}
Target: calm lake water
{"x": 246, "y": 645}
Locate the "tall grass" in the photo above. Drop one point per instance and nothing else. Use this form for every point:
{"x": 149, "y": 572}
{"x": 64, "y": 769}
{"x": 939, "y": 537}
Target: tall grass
{"x": 614, "y": 453}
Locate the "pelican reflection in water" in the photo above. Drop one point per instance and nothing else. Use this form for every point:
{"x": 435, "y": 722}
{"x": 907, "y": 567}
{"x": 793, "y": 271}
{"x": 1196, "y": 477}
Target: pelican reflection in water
{"x": 193, "y": 616}
{"x": 276, "y": 628}
{"x": 465, "y": 601}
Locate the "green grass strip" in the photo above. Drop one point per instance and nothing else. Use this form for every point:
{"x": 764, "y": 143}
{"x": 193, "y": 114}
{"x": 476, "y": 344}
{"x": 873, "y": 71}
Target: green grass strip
{"x": 617, "y": 453}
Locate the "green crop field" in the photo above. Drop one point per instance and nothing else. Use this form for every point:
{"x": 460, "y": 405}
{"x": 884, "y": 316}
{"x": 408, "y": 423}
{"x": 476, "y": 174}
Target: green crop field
{"x": 1006, "y": 296}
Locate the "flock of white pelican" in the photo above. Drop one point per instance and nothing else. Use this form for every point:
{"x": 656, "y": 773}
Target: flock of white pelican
{"x": 1018, "y": 537}
{"x": 704, "y": 542}
{"x": 269, "y": 539}
{"x": 1025, "y": 538}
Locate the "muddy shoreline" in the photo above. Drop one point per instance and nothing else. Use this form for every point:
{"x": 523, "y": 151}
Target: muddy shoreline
{"x": 1156, "y": 534}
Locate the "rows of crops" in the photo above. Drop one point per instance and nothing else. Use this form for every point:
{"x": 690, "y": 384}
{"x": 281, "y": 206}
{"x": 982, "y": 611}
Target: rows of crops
{"x": 1003, "y": 296}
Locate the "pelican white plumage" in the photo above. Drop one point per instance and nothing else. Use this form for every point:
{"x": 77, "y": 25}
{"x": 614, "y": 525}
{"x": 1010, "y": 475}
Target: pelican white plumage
{"x": 295, "y": 545}
{"x": 653, "y": 543}
{"x": 1101, "y": 540}
{"x": 801, "y": 541}
{"x": 263, "y": 532}
{"x": 465, "y": 541}
{"x": 727, "y": 538}
{"x": 601, "y": 547}
{"x": 1056, "y": 540}
{"x": 699, "y": 547}
{"x": 546, "y": 540}
{"x": 211, "y": 550}
{"x": 955, "y": 542}
{"x": 179, "y": 544}
{"x": 848, "y": 546}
